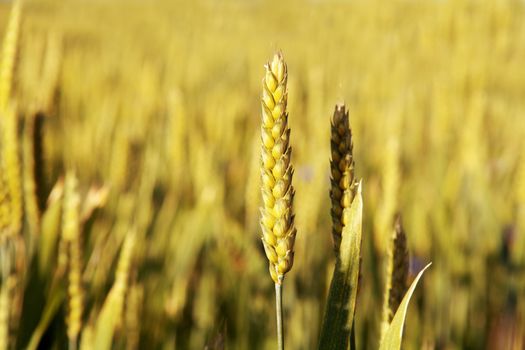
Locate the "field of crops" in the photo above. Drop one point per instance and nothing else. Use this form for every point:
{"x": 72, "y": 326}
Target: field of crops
{"x": 130, "y": 181}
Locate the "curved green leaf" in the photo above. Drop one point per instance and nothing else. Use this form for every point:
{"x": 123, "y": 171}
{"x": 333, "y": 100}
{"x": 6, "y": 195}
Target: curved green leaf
{"x": 340, "y": 307}
{"x": 394, "y": 334}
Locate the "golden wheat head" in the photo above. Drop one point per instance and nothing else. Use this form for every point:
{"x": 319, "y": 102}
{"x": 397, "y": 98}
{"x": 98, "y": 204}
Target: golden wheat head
{"x": 277, "y": 218}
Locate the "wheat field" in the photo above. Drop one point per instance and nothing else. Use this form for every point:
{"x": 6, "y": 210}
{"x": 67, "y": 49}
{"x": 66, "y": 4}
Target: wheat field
{"x": 132, "y": 133}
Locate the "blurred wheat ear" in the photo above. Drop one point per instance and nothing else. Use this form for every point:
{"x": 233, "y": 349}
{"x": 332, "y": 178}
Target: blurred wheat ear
{"x": 396, "y": 274}
{"x": 10, "y": 191}
{"x": 72, "y": 240}
{"x": 12, "y": 257}
{"x": 9, "y": 52}
{"x": 111, "y": 315}
{"x": 277, "y": 218}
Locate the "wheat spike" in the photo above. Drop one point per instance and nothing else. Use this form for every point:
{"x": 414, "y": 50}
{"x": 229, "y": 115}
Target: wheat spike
{"x": 11, "y": 194}
{"x": 343, "y": 184}
{"x": 9, "y": 49}
{"x": 10, "y": 186}
{"x": 397, "y": 272}
{"x": 110, "y": 316}
{"x": 4, "y": 208}
{"x": 277, "y": 218}
{"x": 71, "y": 238}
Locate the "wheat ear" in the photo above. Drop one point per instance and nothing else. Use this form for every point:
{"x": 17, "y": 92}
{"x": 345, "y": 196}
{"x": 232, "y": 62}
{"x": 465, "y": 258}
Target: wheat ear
{"x": 11, "y": 174}
{"x": 396, "y": 274}
{"x": 343, "y": 184}
{"x": 10, "y": 192}
{"x": 71, "y": 239}
{"x": 8, "y": 58}
{"x": 277, "y": 218}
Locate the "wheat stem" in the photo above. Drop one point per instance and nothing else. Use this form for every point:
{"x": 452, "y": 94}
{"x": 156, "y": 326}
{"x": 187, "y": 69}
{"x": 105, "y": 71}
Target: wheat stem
{"x": 279, "y": 314}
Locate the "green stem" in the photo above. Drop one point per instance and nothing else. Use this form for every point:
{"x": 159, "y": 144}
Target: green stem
{"x": 73, "y": 344}
{"x": 279, "y": 312}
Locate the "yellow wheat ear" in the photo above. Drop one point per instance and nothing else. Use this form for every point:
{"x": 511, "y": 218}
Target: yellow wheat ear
{"x": 277, "y": 218}
{"x": 10, "y": 187}
{"x": 8, "y": 58}
{"x": 343, "y": 183}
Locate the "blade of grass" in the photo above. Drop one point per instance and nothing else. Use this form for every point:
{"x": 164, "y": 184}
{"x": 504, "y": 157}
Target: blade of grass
{"x": 340, "y": 308}
{"x": 394, "y": 334}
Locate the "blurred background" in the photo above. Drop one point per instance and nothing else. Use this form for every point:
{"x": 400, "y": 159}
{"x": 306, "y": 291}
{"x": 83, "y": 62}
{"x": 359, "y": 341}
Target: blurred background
{"x": 155, "y": 106}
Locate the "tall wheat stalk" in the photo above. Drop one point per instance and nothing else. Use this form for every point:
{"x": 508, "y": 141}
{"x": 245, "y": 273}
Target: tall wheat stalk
{"x": 277, "y": 218}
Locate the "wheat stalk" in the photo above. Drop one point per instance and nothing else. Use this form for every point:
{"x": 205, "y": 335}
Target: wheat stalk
{"x": 6, "y": 288}
{"x": 134, "y": 301}
{"x": 277, "y": 218}
{"x": 397, "y": 273}
{"x": 343, "y": 184}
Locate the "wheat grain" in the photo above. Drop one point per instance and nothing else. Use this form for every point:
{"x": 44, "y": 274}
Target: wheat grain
{"x": 277, "y": 218}
{"x": 343, "y": 184}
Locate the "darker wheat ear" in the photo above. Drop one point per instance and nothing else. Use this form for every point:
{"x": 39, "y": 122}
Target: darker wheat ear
{"x": 343, "y": 183}
{"x": 396, "y": 273}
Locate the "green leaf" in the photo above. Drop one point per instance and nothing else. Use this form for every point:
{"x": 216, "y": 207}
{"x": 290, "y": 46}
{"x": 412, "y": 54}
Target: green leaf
{"x": 340, "y": 307}
{"x": 394, "y": 334}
